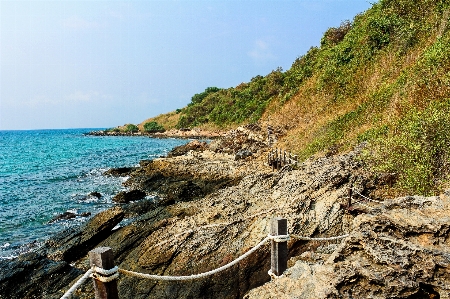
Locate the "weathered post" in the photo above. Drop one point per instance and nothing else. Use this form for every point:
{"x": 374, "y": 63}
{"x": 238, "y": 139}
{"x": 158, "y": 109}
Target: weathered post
{"x": 349, "y": 197}
{"x": 279, "y": 253}
{"x": 103, "y": 257}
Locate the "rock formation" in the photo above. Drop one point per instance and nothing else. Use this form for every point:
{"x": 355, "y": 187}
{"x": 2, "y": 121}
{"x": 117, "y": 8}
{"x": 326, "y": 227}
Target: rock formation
{"x": 211, "y": 208}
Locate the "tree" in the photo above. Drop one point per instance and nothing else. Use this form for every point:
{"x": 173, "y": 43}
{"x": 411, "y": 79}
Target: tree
{"x": 153, "y": 126}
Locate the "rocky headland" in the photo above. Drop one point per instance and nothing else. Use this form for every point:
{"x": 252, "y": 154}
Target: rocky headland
{"x": 213, "y": 202}
{"x": 195, "y": 133}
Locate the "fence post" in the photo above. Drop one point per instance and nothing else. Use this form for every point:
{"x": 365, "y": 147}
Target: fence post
{"x": 279, "y": 250}
{"x": 349, "y": 197}
{"x": 103, "y": 257}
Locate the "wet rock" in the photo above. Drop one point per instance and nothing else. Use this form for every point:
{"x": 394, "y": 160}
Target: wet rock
{"x": 74, "y": 243}
{"x": 32, "y": 275}
{"x": 63, "y": 216}
{"x": 69, "y": 215}
{"x": 95, "y": 194}
{"x": 119, "y": 171}
{"x": 127, "y": 196}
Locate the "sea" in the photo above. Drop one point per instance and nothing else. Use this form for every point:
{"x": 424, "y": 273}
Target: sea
{"x": 44, "y": 173}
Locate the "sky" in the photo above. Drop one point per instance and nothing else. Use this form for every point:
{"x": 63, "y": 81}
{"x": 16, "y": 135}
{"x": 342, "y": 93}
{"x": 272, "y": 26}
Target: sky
{"x": 101, "y": 64}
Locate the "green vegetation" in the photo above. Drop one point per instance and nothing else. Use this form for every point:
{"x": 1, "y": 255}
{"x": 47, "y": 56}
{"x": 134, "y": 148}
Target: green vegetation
{"x": 131, "y": 128}
{"x": 382, "y": 78}
{"x": 153, "y": 126}
{"x": 417, "y": 149}
{"x": 244, "y": 103}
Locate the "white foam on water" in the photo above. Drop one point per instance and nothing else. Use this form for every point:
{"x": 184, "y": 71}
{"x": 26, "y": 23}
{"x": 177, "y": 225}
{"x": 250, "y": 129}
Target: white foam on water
{"x": 6, "y": 245}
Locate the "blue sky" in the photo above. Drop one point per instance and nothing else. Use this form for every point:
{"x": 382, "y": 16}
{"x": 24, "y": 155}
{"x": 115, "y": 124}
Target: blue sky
{"x": 78, "y": 64}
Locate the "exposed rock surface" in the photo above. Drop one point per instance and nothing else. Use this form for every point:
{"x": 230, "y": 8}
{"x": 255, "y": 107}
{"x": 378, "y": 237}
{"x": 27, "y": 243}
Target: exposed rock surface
{"x": 33, "y": 275}
{"x": 194, "y": 145}
{"x": 204, "y": 234}
{"x": 74, "y": 243}
{"x": 213, "y": 208}
{"x": 399, "y": 249}
{"x": 127, "y": 196}
{"x": 119, "y": 171}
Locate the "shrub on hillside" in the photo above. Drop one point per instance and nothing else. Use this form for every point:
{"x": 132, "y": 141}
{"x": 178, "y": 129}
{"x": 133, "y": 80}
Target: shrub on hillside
{"x": 417, "y": 149}
{"x": 152, "y": 127}
{"x": 131, "y": 128}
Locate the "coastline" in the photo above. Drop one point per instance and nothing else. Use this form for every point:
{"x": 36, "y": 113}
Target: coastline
{"x": 214, "y": 205}
{"x": 172, "y": 133}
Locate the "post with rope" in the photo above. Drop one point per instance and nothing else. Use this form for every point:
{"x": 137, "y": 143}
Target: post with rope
{"x": 279, "y": 248}
{"x": 103, "y": 258}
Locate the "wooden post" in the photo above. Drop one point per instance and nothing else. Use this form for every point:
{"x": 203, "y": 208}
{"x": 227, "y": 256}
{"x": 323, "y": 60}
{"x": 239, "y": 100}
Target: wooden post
{"x": 349, "y": 199}
{"x": 279, "y": 253}
{"x": 103, "y": 257}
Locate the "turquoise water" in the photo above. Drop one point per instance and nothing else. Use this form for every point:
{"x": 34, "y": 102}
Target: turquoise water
{"x": 44, "y": 173}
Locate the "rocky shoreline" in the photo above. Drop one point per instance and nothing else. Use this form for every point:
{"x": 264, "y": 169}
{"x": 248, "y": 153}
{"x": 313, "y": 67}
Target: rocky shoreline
{"x": 214, "y": 202}
{"x": 172, "y": 133}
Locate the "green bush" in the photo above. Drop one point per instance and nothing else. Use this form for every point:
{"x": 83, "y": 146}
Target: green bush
{"x": 152, "y": 127}
{"x": 131, "y": 128}
{"x": 417, "y": 149}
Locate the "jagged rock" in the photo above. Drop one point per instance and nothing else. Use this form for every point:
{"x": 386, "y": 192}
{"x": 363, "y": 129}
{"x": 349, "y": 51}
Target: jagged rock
{"x": 69, "y": 215}
{"x": 183, "y": 178}
{"x": 119, "y": 171}
{"x": 194, "y": 145}
{"x": 95, "y": 194}
{"x": 75, "y": 242}
{"x": 249, "y": 137}
{"x": 127, "y": 196}
{"x": 397, "y": 250}
{"x": 32, "y": 275}
{"x": 63, "y": 216}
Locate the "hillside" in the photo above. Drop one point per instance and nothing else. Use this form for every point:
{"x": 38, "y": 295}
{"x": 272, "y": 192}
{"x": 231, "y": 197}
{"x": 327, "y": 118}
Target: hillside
{"x": 381, "y": 78}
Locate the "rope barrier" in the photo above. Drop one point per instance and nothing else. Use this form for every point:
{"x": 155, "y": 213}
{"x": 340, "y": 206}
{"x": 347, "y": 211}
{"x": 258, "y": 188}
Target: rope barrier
{"x": 195, "y": 276}
{"x": 77, "y": 284}
{"x": 113, "y": 274}
{"x": 319, "y": 239}
{"x": 279, "y": 238}
{"x": 365, "y": 197}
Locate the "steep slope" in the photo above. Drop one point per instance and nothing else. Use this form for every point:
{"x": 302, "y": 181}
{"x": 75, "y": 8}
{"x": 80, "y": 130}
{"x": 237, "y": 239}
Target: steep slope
{"x": 377, "y": 79}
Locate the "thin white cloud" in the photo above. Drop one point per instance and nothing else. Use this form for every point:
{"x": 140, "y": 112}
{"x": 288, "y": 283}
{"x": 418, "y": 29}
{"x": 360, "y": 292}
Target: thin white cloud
{"x": 261, "y": 52}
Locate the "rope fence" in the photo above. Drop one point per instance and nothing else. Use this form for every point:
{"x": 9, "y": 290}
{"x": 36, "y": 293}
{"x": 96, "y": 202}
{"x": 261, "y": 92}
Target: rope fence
{"x": 105, "y": 280}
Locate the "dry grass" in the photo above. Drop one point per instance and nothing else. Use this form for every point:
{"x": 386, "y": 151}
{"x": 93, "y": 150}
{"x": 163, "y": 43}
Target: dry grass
{"x": 167, "y": 120}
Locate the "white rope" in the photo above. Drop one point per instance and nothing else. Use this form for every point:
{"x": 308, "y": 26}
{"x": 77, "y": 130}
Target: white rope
{"x": 369, "y": 199}
{"x": 105, "y": 278}
{"x": 279, "y": 238}
{"x": 77, "y": 284}
{"x": 105, "y": 272}
{"x": 320, "y": 239}
{"x": 195, "y": 276}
